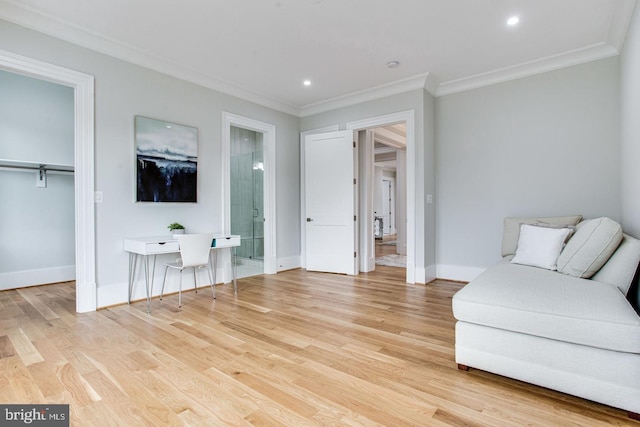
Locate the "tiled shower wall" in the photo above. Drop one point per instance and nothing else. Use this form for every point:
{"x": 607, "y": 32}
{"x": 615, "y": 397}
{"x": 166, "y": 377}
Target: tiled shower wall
{"x": 247, "y": 216}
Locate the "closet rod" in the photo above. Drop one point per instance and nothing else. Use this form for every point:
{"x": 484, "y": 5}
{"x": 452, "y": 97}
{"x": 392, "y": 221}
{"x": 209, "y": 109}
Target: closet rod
{"x": 34, "y": 168}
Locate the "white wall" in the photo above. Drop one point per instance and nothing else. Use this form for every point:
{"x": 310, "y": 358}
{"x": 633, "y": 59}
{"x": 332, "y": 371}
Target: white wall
{"x": 630, "y": 127}
{"x": 124, "y": 90}
{"x": 36, "y": 224}
{"x": 539, "y": 146}
{"x": 36, "y": 120}
{"x": 630, "y": 130}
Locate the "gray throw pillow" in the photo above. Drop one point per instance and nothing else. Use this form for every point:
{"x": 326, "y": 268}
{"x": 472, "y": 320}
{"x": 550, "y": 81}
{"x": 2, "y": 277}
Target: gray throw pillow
{"x": 593, "y": 243}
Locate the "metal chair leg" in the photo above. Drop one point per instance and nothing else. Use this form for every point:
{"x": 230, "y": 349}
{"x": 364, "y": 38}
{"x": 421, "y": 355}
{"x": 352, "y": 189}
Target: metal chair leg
{"x": 163, "y": 282}
{"x": 213, "y": 285}
{"x": 195, "y": 284}
{"x": 180, "y": 291}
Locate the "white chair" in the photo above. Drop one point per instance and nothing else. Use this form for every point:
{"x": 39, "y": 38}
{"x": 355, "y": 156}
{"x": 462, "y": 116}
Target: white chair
{"x": 194, "y": 253}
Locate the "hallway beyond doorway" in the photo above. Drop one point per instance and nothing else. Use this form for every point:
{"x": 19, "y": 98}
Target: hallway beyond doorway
{"x": 386, "y": 252}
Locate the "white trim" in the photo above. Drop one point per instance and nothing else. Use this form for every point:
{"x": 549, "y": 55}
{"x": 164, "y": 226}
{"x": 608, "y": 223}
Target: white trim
{"x": 80, "y": 36}
{"x": 458, "y": 272}
{"x": 269, "y": 147}
{"x": 430, "y": 273}
{"x": 83, "y": 85}
{"x": 621, "y": 15}
{"x": 421, "y": 81}
{"x": 288, "y": 263}
{"x": 518, "y": 71}
{"x": 41, "y": 276}
{"x": 366, "y": 243}
{"x": 41, "y": 22}
{"x": 407, "y": 117}
{"x": 303, "y": 208}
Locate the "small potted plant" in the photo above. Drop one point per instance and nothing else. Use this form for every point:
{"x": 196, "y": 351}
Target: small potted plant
{"x": 176, "y": 228}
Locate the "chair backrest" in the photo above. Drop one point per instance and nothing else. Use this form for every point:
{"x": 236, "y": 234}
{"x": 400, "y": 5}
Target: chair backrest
{"x": 195, "y": 248}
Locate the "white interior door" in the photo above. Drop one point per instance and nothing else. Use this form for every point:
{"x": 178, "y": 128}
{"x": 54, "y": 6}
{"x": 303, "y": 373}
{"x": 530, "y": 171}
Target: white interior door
{"x": 330, "y": 195}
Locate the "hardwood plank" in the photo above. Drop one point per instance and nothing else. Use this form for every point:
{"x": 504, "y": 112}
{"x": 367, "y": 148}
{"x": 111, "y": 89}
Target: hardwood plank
{"x": 297, "y": 348}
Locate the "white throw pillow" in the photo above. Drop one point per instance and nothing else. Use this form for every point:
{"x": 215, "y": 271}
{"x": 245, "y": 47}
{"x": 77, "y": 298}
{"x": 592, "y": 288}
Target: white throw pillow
{"x": 540, "y": 246}
{"x": 590, "y": 248}
{"x": 511, "y": 231}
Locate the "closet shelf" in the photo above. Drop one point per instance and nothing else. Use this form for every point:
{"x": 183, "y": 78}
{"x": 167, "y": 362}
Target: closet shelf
{"x": 18, "y": 164}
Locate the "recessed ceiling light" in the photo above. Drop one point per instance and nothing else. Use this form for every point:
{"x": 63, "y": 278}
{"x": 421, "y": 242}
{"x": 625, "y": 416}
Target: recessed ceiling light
{"x": 392, "y": 64}
{"x": 307, "y": 82}
{"x": 513, "y": 21}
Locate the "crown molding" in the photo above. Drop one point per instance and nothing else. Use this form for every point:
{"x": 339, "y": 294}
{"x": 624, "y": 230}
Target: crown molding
{"x": 526, "y": 69}
{"x": 619, "y": 21}
{"x": 37, "y": 21}
{"x": 401, "y": 86}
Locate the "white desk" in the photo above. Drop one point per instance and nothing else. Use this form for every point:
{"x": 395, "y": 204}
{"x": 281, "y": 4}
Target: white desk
{"x": 147, "y": 248}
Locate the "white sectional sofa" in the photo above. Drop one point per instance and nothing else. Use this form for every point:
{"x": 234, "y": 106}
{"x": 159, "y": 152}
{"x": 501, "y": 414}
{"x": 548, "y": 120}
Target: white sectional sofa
{"x": 571, "y": 326}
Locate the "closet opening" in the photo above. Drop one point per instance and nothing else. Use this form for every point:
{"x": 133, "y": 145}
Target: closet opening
{"x": 37, "y": 182}
{"x": 82, "y": 161}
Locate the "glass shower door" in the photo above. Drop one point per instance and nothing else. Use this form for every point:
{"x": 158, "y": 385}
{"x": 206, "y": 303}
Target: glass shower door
{"x": 247, "y": 199}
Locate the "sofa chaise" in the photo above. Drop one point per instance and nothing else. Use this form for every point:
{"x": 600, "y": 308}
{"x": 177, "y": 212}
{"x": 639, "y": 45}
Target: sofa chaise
{"x": 569, "y": 322}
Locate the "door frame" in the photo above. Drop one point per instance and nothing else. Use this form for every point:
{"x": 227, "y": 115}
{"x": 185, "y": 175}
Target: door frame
{"x": 303, "y": 208}
{"x": 268, "y": 131}
{"x": 84, "y": 184}
{"x": 407, "y": 117}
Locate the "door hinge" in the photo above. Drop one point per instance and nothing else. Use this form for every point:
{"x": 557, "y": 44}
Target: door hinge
{"x": 354, "y": 144}
{"x": 354, "y": 218}
{"x": 354, "y": 181}
{"x": 355, "y": 255}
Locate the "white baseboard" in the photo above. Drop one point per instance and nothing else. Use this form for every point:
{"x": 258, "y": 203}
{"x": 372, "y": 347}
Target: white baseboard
{"x": 458, "y": 272}
{"x": 21, "y": 279}
{"x": 369, "y": 265}
{"x": 117, "y": 293}
{"x": 289, "y": 263}
{"x": 430, "y": 273}
{"x": 426, "y": 274}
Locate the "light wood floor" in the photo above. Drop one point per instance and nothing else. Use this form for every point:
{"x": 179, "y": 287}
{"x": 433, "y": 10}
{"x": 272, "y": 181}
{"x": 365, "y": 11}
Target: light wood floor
{"x": 292, "y": 349}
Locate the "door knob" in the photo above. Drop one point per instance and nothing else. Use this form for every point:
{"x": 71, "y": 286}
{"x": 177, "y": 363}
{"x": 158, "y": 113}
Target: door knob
{"x": 309, "y": 219}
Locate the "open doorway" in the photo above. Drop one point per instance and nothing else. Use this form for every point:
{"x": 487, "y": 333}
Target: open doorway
{"x": 83, "y": 141}
{"x": 389, "y": 194}
{"x": 247, "y": 199}
{"x": 405, "y": 212}
{"x": 249, "y": 175}
{"x": 36, "y": 181}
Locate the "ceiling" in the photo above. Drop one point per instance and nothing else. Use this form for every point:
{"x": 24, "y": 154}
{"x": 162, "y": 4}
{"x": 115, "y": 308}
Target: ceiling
{"x": 263, "y": 50}
{"x": 387, "y": 141}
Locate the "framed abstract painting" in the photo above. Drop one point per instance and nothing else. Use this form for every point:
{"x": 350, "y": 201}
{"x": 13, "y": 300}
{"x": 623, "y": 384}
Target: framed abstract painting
{"x": 166, "y": 161}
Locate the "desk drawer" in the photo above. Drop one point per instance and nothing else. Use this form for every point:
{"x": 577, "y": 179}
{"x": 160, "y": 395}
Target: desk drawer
{"x": 226, "y": 242}
{"x": 169, "y": 246}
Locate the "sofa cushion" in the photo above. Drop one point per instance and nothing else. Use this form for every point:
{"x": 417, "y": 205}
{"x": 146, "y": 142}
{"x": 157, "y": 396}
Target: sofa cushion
{"x": 540, "y": 246}
{"x": 594, "y": 241}
{"x": 621, "y": 267}
{"x": 548, "y": 304}
{"x": 511, "y": 231}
